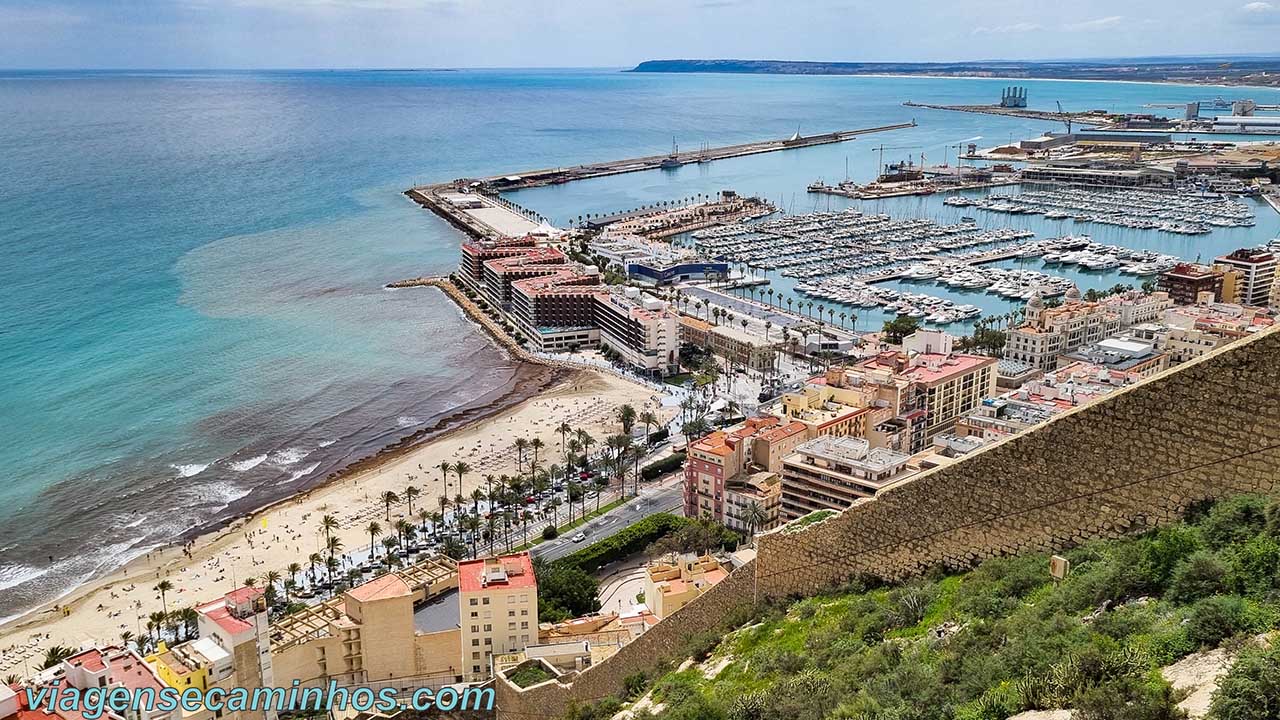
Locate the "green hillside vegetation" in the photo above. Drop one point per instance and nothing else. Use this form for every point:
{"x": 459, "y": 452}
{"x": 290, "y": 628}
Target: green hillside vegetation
{"x": 1004, "y": 637}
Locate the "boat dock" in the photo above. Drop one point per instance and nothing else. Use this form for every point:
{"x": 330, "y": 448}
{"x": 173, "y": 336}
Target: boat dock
{"x": 555, "y": 176}
{"x": 874, "y": 191}
{"x": 475, "y": 206}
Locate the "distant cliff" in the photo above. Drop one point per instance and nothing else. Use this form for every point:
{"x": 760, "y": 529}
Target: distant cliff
{"x": 1255, "y": 70}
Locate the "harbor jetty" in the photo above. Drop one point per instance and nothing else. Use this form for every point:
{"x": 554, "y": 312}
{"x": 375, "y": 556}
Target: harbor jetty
{"x": 475, "y": 206}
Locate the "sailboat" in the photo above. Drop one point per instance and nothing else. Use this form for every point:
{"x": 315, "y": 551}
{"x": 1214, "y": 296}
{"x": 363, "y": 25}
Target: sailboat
{"x": 702, "y": 156}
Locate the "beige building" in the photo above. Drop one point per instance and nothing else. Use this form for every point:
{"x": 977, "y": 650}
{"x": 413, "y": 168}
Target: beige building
{"x": 369, "y": 635}
{"x": 498, "y": 610}
{"x": 742, "y": 348}
{"x": 761, "y": 489}
{"x": 831, "y": 473}
{"x": 674, "y": 582}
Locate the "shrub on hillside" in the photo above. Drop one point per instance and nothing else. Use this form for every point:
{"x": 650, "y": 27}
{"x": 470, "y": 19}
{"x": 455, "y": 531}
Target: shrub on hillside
{"x": 1251, "y": 690}
{"x": 1199, "y": 576}
{"x": 1235, "y": 520}
{"x": 1215, "y": 619}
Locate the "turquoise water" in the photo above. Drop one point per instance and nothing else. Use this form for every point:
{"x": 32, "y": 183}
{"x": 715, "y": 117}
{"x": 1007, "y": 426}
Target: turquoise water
{"x": 193, "y": 303}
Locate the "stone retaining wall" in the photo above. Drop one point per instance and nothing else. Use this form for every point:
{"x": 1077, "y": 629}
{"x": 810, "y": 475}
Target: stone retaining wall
{"x": 1138, "y": 458}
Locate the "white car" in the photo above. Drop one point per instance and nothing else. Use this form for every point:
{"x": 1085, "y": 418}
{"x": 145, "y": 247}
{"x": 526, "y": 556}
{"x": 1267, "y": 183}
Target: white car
{"x": 579, "y": 537}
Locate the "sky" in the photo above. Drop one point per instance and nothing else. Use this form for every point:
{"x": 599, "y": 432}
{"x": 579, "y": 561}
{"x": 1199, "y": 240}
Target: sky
{"x": 611, "y": 33}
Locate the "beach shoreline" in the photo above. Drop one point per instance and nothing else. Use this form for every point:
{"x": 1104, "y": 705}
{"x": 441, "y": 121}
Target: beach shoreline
{"x": 532, "y": 405}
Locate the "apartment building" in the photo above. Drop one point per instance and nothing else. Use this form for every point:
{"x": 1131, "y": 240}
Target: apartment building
{"x": 107, "y": 667}
{"x": 728, "y": 470}
{"x": 498, "y": 607}
{"x": 762, "y": 490}
{"x": 1185, "y": 281}
{"x": 1125, "y": 355}
{"x": 1187, "y": 332}
{"x": 1257, "y": 268}
{"x": 501, "y": 273}
{"x": 556, "y": 312}
{"x": 742, "y": 348}
{"x": 831, "y": 473}
{"x": 936, "y": 390}
{"x": 474, "y": 254}
{"x": 1042, "y": 398}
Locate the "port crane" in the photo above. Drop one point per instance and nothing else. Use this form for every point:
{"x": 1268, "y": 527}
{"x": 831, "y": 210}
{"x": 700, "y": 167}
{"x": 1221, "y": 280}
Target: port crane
{"x": 882, "y": 148}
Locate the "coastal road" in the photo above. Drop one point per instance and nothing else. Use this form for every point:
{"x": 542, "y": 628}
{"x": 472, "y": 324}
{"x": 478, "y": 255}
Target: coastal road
{"x": 652, "y": 500}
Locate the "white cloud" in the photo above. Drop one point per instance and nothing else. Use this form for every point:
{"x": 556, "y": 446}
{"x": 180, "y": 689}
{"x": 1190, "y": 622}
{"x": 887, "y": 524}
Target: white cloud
{"x": 1105, "y": 23}
{"x": 1258, "y": 7}
{"x": 1022, "y": 27}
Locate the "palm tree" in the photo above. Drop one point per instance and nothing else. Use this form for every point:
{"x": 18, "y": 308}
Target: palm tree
{"x": 476, "y": 496}
{"x": 313, "y": 560}
{"x": 293, "y": 569}
{"x": 328, "y": 524}
{"x": 755, "y": 517}
{"x": 536, "y": 444}
{"x": 627, "y": 416}
{"x": 163, "y": 587}
{"x": 374, "y": 530}
{"x": 520, "y": 446}
{"x": 564, "y": 429}
{"x": 461, "y": 468}
{"x": 190, "y": 620}
{"x": 126, "y": 637}
{"x": 388, "y": 497}
{"x": 403, "y": 530}
{"x": 648, "y": 419}
{"x": 410, "y": 493}
{"x": 269, "y": 588}
{"x": 445, "y": 468}
{"x": 423, "y": 516}
{"x": 56, "y": 655}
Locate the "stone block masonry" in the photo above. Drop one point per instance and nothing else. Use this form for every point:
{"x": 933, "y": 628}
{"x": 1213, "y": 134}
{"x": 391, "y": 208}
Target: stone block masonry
{"x": 1138, "y": 458}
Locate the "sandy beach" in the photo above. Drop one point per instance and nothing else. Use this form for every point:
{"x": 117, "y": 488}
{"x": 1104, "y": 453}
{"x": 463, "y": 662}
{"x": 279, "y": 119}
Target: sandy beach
{"x": 288, "y": 531}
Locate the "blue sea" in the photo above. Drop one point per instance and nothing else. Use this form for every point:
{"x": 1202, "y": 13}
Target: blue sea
{"x": 192, "y": 315}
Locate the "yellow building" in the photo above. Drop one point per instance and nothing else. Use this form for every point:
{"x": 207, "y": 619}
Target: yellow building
{"x": 672, "y": 584}
{"x": 368, "y": 634}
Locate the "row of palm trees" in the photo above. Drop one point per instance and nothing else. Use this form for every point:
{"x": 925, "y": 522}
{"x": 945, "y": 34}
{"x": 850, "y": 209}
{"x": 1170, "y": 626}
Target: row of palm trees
{"x": 465, "y": 530}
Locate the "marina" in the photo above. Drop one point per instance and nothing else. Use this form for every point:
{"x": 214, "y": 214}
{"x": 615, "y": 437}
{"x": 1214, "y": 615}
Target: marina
{"x": 1181, "y": 213}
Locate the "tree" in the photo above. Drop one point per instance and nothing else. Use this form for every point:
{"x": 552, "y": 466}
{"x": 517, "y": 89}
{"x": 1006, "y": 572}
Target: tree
{"x": 627, "y": 418}
{"x": 163, "y": 587}
{"x": 388, "y": 498}
{"x": 898, "y": 328}
{"x": 520, "y": 445}
{"x": 461, "y": 468}
{"x": 755, "y": 517}
{"x": 648, "y": 419}
{"x": 55, "y": 655}
{"x": 374, "y": 530}
{"x": 564, "y": 591}
{"x": 328, "y": 524}
{"x": 535, "y": 445}
{"x": 564, "y": 429}
{"x": 410, "y": 493}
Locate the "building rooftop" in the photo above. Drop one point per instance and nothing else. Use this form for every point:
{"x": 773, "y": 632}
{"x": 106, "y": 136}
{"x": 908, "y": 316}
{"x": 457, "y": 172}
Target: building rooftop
{"x": 496, "y": 573}
{"x": 931, "y": 368}
{"x": 852, "y": 451}
{"x": 383, "y": 588}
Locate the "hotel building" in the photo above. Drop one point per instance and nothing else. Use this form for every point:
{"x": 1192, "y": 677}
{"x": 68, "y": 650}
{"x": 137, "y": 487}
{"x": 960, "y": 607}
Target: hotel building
{"x": 1047, "y": 332}
{"x": 498, "y": 601}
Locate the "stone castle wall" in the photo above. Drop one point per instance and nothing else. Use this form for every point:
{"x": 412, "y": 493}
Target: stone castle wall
{"x": 1138, "y": 458}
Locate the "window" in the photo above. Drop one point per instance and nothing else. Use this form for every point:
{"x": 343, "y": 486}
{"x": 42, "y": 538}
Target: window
{"x": 486, "y": 601}
{"x": 488, "y": 627}
{"x": 475, "y": 628}
{"x": 473, "y": 601}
